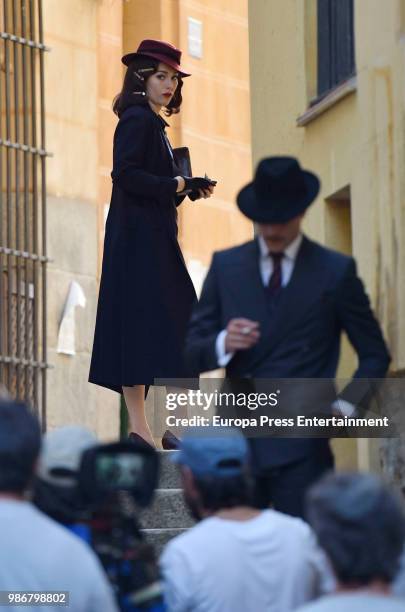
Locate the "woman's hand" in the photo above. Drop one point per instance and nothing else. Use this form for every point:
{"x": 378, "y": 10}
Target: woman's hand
{"x": 197, "y": 194}
{"x": 200, "y": 187}
{"x": 194, "y": 183}
{"x": 181, "y": 183}
{"x": 206, "y": 193}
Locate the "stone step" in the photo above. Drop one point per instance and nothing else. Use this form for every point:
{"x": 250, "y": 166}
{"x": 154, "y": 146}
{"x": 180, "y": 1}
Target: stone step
{"x": 167, "y": 511}
{"x": 160, "y": 537}
{"x": 169, "y": 472}
{"x": 168, "y": 516}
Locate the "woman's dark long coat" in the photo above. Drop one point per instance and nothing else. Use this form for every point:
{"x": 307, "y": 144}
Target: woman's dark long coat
{"x": 146, "y": 293}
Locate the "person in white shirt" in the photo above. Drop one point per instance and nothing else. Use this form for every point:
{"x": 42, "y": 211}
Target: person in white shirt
{"x": 237, "y": 558}
{"x": 360, "y": 524}
{"x": 36, "y": 554}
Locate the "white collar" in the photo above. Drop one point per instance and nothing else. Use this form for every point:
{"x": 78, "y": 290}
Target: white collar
{"x": 290, "y": 252}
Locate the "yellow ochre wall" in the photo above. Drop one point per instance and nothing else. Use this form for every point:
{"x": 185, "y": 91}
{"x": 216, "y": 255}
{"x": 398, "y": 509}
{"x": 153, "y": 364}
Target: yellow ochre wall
{"x": 357, "y": 142}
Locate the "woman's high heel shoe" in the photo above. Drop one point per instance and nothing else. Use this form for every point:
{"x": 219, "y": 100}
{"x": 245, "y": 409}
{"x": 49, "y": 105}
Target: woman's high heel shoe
{"x": 134, "y": 437}
{"x": 170, "y": 441}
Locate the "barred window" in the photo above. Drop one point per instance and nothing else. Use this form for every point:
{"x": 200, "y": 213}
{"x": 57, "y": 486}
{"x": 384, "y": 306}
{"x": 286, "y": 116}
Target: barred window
{"x": 336, "y": 61}
{"x": 23, "y": 257}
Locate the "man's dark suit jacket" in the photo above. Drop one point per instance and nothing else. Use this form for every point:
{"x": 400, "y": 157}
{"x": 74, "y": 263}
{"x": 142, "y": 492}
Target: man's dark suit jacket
{"x": 300, "y": 339}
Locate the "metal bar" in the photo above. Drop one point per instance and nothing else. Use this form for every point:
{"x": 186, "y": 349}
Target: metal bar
{"x": 24, "y": 41}
{"x": 23, "y": 221}
{"x": 8, "y": 191}
{"x": 2, "y": 241}
{"x": 26, "y": 242}
{"x": 43, "y": 214}
{"x": 25, "y": 254}
{"x": 26, "y": 148}
{"x": 35, "y": 202}
{"x": 24, "y": 362}
{"x": 17, "y": 201}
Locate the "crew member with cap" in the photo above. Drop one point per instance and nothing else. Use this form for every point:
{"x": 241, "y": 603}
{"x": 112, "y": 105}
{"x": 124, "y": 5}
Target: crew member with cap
{"x": 146, "y": 293}
{"x": 56, "y": 490}
{"x": 237, "y": 557}
{"x": 275, "y": 308}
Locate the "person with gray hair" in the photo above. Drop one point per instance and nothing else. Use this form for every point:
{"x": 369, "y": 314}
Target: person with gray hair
{"x": 360, "y": 524}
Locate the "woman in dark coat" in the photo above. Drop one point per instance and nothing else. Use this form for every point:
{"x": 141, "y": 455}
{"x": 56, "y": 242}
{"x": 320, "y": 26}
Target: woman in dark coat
{"x": 146, "y": 293}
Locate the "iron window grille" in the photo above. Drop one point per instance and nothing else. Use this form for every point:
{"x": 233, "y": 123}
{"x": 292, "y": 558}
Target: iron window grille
{"x": 23, "y": 254}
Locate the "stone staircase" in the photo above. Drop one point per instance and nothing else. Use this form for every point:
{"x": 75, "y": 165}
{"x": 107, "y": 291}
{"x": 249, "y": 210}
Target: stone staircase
{"x": 168, "y": 515}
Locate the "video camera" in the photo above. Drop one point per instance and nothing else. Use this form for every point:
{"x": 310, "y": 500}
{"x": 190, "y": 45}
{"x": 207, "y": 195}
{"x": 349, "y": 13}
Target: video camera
{"x": 107, "y": 469}
{"x": 114, "y": 482}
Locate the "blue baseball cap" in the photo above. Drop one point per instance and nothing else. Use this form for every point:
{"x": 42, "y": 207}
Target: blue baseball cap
{"x": 213, "y": 451}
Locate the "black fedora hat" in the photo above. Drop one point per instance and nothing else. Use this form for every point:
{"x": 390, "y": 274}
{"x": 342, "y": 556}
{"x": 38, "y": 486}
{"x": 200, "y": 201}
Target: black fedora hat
{"x": 280, "y": 191}
{"x": 159, "y": 50}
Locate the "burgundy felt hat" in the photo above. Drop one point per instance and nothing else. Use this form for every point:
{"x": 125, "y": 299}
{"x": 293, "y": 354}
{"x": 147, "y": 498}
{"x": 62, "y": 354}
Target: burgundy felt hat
{"x": 162, "y": 51}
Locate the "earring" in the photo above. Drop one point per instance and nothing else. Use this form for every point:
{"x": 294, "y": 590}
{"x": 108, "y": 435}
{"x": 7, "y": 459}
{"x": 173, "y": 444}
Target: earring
{"x": 141, "y": 93}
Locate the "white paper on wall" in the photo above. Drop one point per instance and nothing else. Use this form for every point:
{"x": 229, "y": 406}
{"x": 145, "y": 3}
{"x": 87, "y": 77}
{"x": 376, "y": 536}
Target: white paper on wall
{"x": 66, "y": 336}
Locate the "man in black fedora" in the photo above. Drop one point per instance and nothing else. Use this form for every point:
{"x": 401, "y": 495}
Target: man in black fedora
{"x": 275, "y": 308}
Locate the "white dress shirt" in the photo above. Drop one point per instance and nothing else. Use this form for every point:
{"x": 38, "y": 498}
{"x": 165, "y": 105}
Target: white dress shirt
{"x": 266, "y": 270}
{"x": 287, "y": 262}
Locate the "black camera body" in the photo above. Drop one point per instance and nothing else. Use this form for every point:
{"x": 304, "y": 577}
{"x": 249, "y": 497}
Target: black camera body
{"x": 120, "y": 466}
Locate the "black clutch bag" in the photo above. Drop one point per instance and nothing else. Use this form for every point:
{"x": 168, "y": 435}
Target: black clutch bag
{"x": 183, "y": 162}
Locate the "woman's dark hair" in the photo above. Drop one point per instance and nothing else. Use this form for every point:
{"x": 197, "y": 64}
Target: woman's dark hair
{"x": 360, "y": 525}
{"x": 133, "y": 87}
{"x": 218, "y": 493}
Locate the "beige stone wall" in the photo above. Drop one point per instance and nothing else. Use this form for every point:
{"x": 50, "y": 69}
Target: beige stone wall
{"x": 358, "y": 142}
{"x": 83, "y": 36}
